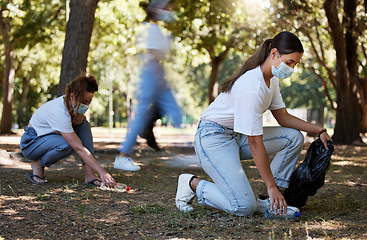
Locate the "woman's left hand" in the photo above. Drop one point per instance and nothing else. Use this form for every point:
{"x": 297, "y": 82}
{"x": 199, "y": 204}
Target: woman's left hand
{"x": 78, "y": 119}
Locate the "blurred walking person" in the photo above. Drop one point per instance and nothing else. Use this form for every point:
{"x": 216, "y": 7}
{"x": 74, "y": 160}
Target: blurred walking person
{"x": 153, "y": 88}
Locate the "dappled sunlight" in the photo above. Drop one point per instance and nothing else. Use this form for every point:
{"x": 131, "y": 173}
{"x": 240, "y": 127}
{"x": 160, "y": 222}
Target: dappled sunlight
{"x": 350, "y": 163}
{"x": 5, "y": 201}
{"x": 353, "y": 183}
{"x": 129, "y": 174}
{"x": 122, "y": 202}
{"x": 324, "y": 225}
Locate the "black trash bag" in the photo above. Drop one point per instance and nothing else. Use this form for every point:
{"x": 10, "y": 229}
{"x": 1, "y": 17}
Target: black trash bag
{"x": 310, "y": 174}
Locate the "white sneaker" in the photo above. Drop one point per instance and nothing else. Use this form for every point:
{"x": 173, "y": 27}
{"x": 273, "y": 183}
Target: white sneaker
{"x": 125, "y": 163}
{"x": 184, "y": 195}
{"x": 263, "y": 205}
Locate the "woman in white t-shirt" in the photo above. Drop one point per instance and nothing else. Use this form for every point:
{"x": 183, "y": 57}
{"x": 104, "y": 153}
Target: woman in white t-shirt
{"x": 231, "y": 129}
{"x": 59, "y": 128}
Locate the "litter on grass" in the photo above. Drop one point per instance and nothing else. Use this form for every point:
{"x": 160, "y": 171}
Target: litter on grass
{"x": 120, "y": 187}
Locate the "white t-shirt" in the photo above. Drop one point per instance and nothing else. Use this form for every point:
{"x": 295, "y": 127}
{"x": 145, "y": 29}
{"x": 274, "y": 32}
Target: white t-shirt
{"x": 151, "y": 36}
{"x": 52, "y": 117}
{"x": 242, "y": 108}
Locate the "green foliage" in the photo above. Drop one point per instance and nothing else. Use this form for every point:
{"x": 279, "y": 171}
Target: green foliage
{"x": 215, "y": 25}
{"x": 198, "y": 78}
{"x": 37, "y": 22}
{"x": 303, "y": 90}
{"x": 307, "y": 19}
{"x": 203, "y": 30}
{"x": 111, "y": 57}
{"x": 213, "y": 29}
{"x": 42, "y": 197}
{"x": 33, "y": 28}
{"x": 81, "y": 209}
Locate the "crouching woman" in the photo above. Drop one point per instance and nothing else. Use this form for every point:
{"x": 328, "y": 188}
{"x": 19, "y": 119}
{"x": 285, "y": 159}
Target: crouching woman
{"x": 58, "y": 128}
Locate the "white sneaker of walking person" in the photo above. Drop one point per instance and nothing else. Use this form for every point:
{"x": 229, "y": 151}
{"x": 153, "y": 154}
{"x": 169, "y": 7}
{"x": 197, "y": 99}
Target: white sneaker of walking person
{"x": 263, "y": 205}
{"x": 125, "y": 163}
{"x": 184, "y": 195}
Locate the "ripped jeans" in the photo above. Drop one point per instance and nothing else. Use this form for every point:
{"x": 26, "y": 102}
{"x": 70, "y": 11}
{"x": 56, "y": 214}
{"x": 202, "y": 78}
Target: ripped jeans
{"x": 220, "y": 150}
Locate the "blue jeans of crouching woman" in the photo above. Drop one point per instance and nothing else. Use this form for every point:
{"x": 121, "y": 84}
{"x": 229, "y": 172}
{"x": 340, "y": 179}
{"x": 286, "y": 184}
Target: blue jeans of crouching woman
{"x": 51, "y": 148}
{"x": 220, "y": 150}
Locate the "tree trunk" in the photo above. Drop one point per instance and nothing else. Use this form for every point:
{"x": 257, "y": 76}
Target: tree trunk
{"x": 77, "y": 39}
{"x": 8, "y": 79}
{"x": 216, "y": 61}
{"x": 22, "y": 116}
{"x": 213, "y": 80}
{"x": 348, "y": 114}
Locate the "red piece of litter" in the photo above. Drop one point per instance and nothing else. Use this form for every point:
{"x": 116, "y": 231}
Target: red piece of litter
{"x": 128, "y": 189}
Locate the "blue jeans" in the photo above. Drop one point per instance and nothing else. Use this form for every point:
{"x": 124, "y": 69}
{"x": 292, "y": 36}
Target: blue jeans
{"x": 51, "y": 148}
{"x": 220, "y": 150}
{"x": 153, "y": 90}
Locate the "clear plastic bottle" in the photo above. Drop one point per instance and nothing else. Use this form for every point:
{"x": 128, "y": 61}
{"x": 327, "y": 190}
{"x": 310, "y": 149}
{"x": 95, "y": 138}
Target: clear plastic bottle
{"x": 292, "y": 213}
{"x": 120, "y": 187}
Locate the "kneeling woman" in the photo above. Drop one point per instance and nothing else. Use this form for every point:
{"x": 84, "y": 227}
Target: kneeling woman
{"x": 231, "y": 129}
{"x": 58, "y": 128}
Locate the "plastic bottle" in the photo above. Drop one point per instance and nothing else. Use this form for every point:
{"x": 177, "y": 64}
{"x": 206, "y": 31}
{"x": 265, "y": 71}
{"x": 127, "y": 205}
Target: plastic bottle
{"x": 120, "y": 187}
{"x": 292, "y": 213}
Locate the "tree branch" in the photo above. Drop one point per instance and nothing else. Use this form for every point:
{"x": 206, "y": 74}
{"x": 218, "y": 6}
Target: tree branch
{"x": 330, "y": 100}
{"x": 321, "y": 61}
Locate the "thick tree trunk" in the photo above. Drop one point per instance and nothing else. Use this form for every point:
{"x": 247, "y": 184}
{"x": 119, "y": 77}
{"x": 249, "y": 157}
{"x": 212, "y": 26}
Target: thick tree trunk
{"x": 77, "y": 39}
{"x": 8, "y": 80}
{"x": 348, "y": 115}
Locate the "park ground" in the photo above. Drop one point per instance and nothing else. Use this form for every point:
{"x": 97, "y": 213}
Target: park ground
{"x": 66, "y": 208}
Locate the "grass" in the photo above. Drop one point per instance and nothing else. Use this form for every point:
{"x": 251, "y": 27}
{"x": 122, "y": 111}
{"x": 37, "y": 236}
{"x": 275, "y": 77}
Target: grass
{"x": 65, "y": 208}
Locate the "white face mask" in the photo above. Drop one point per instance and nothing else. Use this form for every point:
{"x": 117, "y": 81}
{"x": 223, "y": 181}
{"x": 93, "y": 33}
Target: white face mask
{"x": 82, "y": 108}
{"x": 283, "y": 71}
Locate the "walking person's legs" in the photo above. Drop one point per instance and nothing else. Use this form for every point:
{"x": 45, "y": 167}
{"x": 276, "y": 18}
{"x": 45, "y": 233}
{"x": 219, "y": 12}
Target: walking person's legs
{"x": 146, "y": 97}
{"x": 167, "y": 103}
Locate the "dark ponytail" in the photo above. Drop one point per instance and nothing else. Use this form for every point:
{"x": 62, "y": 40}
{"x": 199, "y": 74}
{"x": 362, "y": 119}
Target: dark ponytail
{"x": 255, "y": 60}
{"x": 285, "y": 42}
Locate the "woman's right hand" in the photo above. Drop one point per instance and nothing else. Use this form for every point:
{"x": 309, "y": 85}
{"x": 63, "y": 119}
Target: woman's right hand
{"x": 324, "y": 137}
{"x": 108, "y": 180}
{"x": 277, "y": 201}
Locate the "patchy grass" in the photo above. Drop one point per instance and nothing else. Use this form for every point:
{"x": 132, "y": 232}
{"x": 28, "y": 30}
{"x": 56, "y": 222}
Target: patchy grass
{"x": 65, "y": 208}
